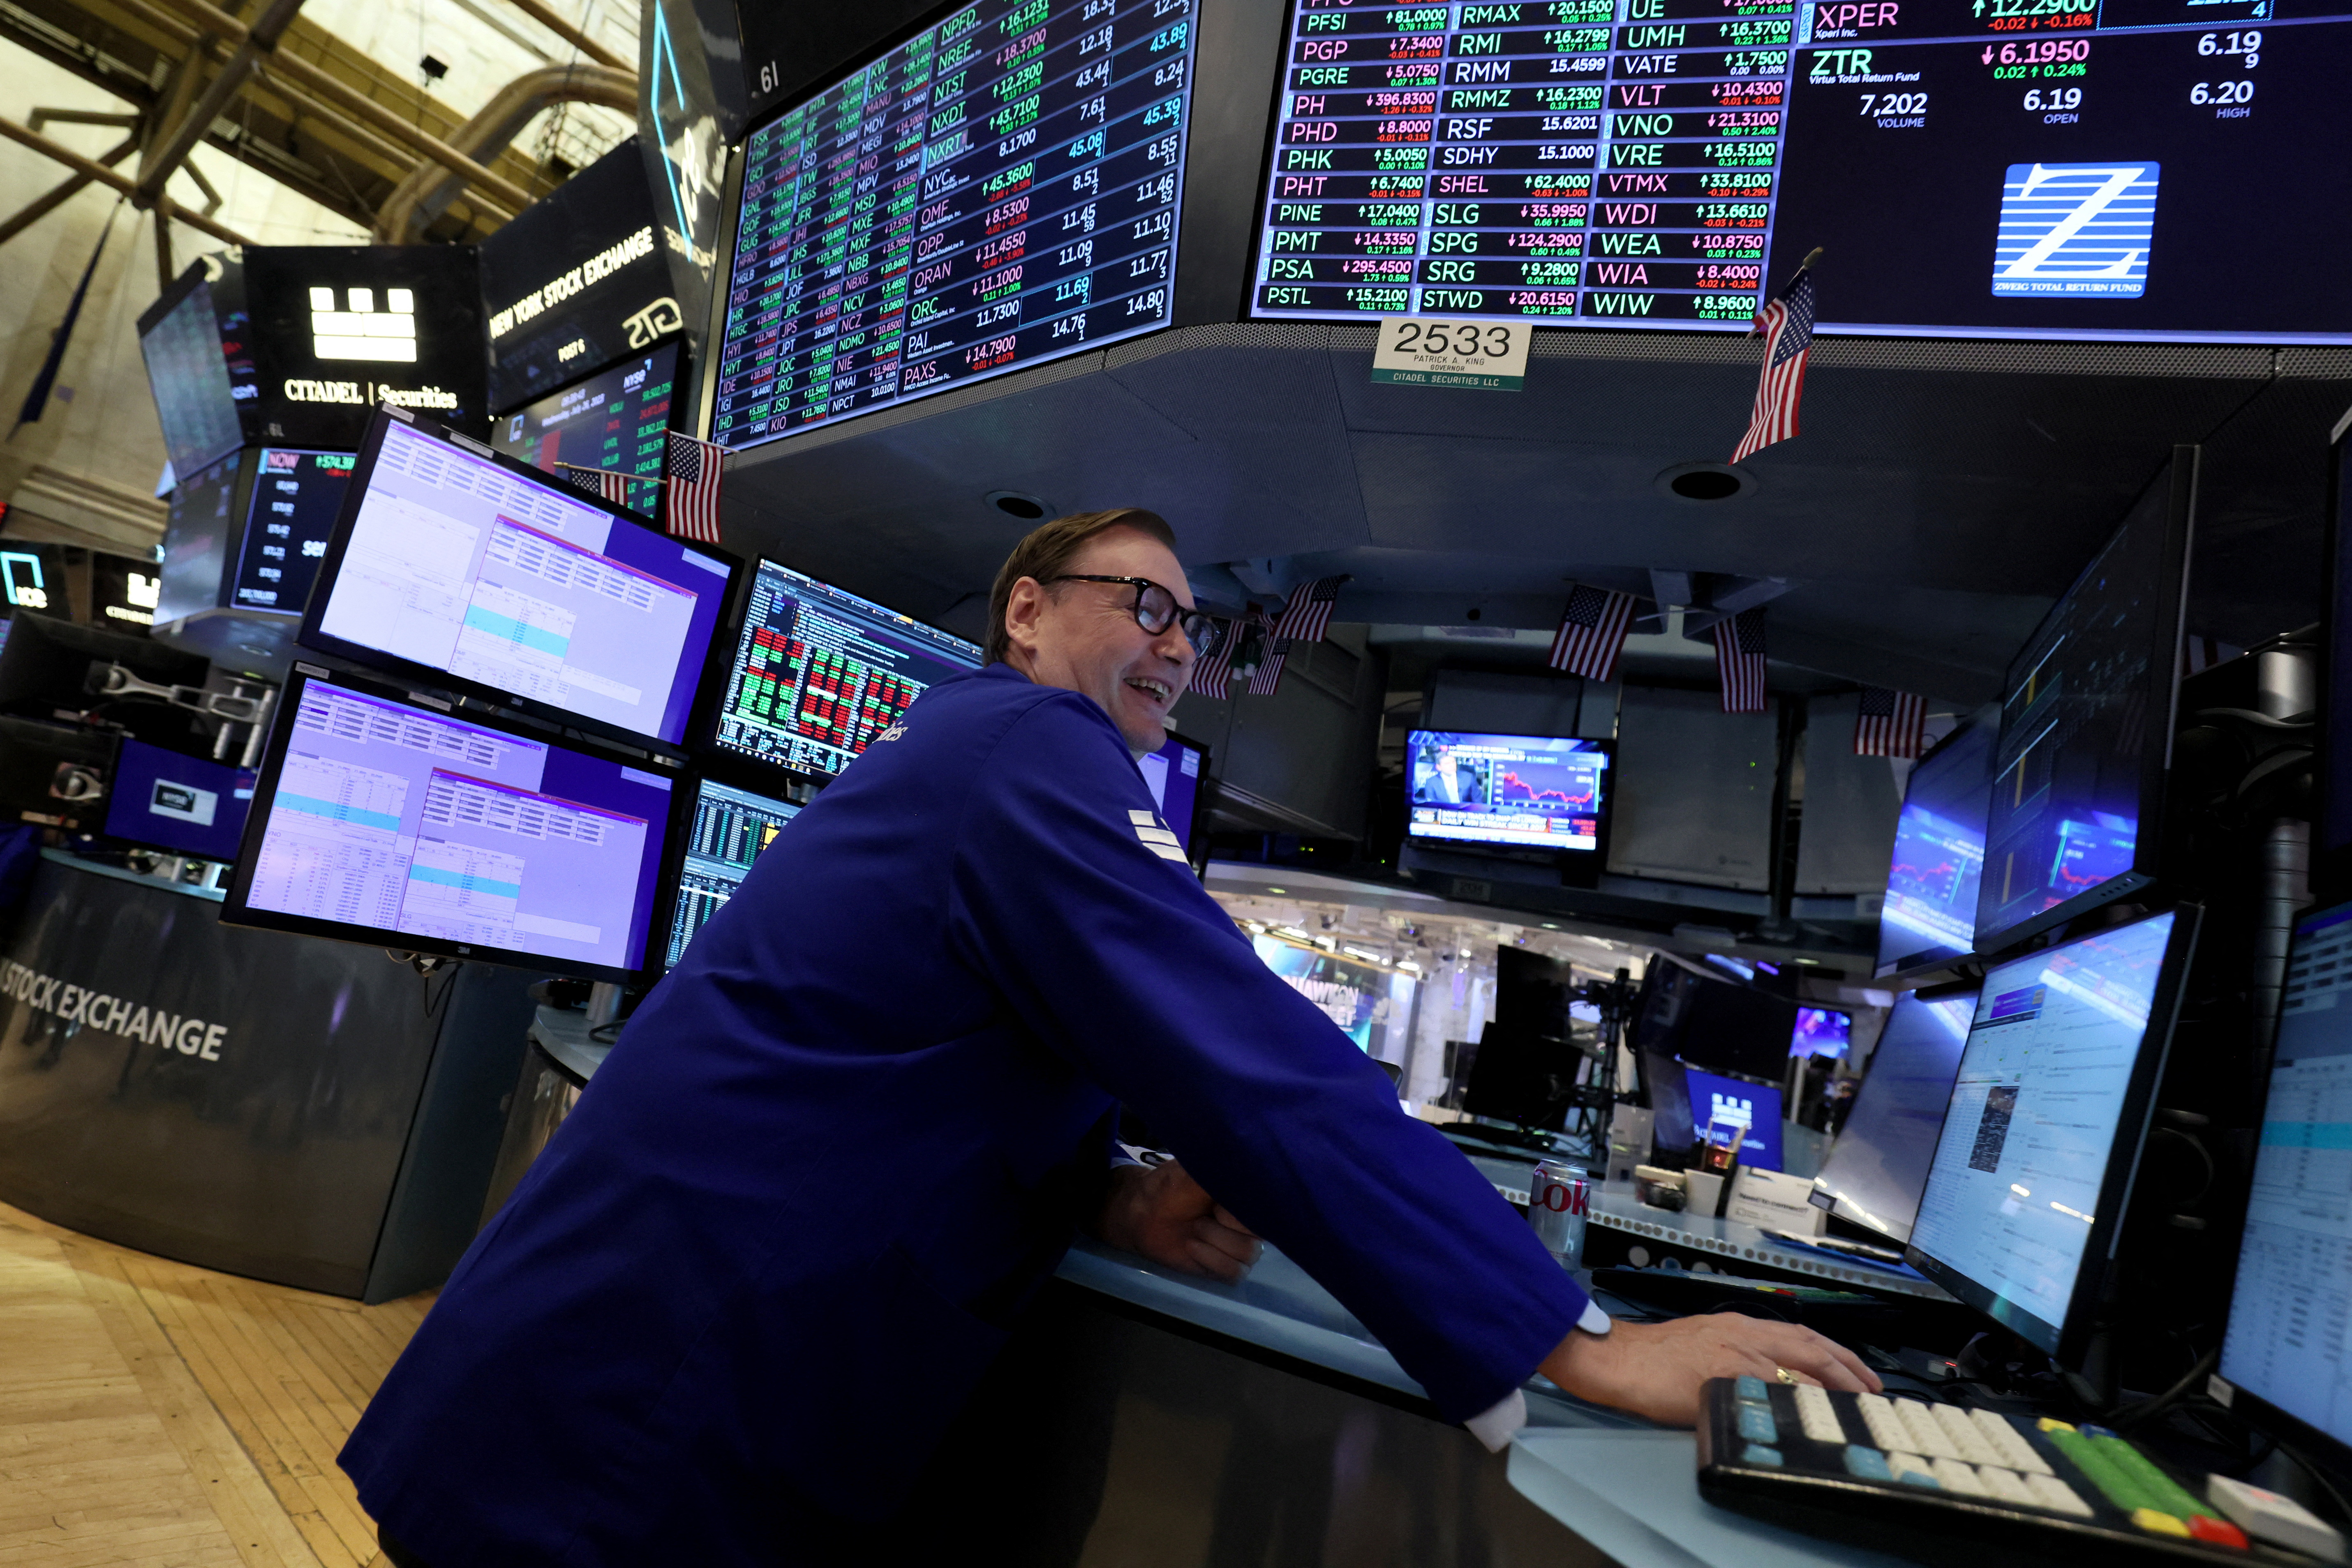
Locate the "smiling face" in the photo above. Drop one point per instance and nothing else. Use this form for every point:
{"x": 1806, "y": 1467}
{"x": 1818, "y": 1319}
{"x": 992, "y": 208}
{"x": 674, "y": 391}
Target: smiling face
{"x": 1083, "y": 637}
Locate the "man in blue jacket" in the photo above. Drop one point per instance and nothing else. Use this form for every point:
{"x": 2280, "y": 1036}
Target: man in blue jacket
{"x": 786, "y": 1230}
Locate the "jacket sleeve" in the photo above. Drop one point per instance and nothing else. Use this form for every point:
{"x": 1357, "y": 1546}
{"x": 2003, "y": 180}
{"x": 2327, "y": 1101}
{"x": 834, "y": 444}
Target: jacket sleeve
{"x": 1125, "y": 966}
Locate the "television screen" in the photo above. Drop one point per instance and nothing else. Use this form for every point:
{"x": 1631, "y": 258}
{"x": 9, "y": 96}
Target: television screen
{"x": 998, "y": 191}
{"x": 1723, "y": 1103}
{"x": 1879, "y": 1162}
{"x": 819, "y": 672}
{"x": 123, "y": 591}
{"x": 618, "y": 421}
{"x": 1662, "y": 167}
{"x": 1173, "y": 774}
{"x": 1821, "y": 1032}
{"x": 729, "y": 828}
{"x": 1536, "y": 792}
{"x": 1930, "y": 914}
{"x": 296, "y": 496}
{"x": 2086, "y": 727}
{"x": 1366, "y": 1000}
{"x": 178, "y": 804}
{"x": 385, "y": 822}
{"x": 453, "y": 564}
{"x": 189, "y": 376}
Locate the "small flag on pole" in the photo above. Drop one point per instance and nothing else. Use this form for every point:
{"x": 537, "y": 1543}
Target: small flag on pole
{"x": 1890, "y": 724}
{"x": 1592, "y": 632}
{"x": 690, "y": 498}
{"x": 1739, "y": 661}
{"x": 1303, "y": 621}
{"x": 1211, "y": 675}
{"x": 609, "y": 483}
{"x": 1786, "y": 325}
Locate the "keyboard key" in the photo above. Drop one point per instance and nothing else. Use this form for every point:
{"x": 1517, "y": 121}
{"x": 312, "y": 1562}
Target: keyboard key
{"x": 2010, "y": 1443}
{"x": 1927, "y": 1433}
{"x": 1964, "y": 1434}
{"x": 2056, "y": 1495}
{"x": 1866, "y": 1464}
{"x": 1818, "y": 1416}
{"x": 1758, "y": 1454}
{"x": 1749, "y": 1390}
{"x": 1956, "y": 1477}
{"x": 2216, "y": 1531}
{"x": 1887, "y": 1428}
{"x": 2159, "y": 1524}
{"x": 2006, "y": 1485}
{"x": 1910, "y": 1467}
{"x": 1756, "y": 1425}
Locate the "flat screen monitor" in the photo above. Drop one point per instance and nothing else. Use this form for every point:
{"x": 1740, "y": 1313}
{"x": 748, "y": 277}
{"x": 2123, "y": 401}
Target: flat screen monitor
{"x": 1580, "y": 165}
{"x": 996, "y": 192}
{"x": 1823, "y": 1032}
{"x": 1665, "y": 1083}
{"x": 123, "y": 592}
{"x": 2086, "y": 727}
{"x": 1531, "y": 792}
{"x": 455, "y": 565}
{"x": 727, "y": 829}
{"x": 383, "y": 821}
{"x": 188, "y": 372}
{"x": 617, "y": 420}
{"x": 53, "y": 775}
{"x": 2331, "y": 859}
{"x": 1929, "y": 915}
{"x": 178, "y": 804}
{"x": 1717, "y": 1024}
{"x": 33, "y": 579}
{"x": 2034, "y": 1163}
{"x": 1370, "y": 1003}
{"x": 819, "y": 672}
{"x": 2288, "y": 1338}
{"x": 196, "y": 540}
{"x": 296, "y": 497}
{"x": 1878, "y": 1164}
{"x": 1174, "y": 774}
{"x": 1722, "y": 1103}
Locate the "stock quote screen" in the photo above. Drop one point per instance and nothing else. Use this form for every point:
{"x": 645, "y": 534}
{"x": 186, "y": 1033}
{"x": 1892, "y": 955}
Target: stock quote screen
{"x": 819, "y": 672}
{"x": 998, "y": 190}
{"x": 730, "y": 828}
{"x": 618, "y": 421}
{"x": 296, "y": 497}
{"x": 2006, "y": 168}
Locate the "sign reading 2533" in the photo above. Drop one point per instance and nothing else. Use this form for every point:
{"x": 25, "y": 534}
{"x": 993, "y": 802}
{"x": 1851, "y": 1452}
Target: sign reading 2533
{"x": 1475, "y": 356}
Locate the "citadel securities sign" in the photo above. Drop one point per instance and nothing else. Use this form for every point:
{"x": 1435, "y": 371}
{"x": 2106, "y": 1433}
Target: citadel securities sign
{"x": 111, "y": 1014}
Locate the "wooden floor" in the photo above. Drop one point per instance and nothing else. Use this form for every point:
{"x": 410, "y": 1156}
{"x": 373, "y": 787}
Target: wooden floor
{"x": 154, "y": 1413}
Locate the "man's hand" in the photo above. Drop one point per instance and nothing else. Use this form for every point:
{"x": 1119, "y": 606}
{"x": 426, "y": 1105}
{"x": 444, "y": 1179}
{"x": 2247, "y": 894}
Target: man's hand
{"x": 1169, "y": 1217}
{"x": 1655, "y": 1369}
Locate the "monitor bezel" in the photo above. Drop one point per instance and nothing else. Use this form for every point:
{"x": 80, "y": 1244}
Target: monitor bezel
{"x": 1838, "y": 1204}
{"x": 2331, "y": 850}
{"x": 1196, "y": 851}
{"x": 2122, "y": 1173}
{"x": 2315, "y": 1444}
{"x": 681, "y": 828}
{"x": 331, "y": 569}
{"x": 2178, "y": 475}
{"x": 710, "y": 704}
{"x": 235, "y": 909}
{"x": 1919, "y": 963}
{"x": 1596, "y": 857}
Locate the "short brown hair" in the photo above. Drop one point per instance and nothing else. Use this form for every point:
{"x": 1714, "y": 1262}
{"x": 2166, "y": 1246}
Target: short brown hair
{"x": 1048, "y": 551}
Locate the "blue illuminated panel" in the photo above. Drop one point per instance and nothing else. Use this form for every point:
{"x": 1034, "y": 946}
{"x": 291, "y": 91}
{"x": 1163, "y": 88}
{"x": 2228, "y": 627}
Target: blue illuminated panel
{"x": 998, "y": 191}
{"x": 1534, "y": 791}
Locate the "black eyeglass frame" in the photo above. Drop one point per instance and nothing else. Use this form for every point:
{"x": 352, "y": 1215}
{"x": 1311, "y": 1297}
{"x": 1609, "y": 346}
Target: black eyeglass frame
{"x": 1200, "y": 629}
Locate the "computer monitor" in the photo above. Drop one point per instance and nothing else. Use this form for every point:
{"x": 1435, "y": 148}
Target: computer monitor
{"x": 1713, "y": 1022}
{"x": 725, "y": 832}
{"x": 1174, "y": 774}
{"x": 187, "y": 369}
{"x": 1821, "y": 1032}
{"x": 453, "y": 565}
{"x": 2086, "y": 727}
{"x": 2331, "y": 833}
{"x": 178, "y": 804}
{"x": 819, "y": 672}
{"x": 2034, "y": 1163}
{"x": 617, "y": 420}
{"x": 1529, "y": 791}
{"x": 2283, "y": 1353}
{"x": 297, "y": 494}
{"x": 1929, "y": 916}
{"x": 379, "y": 820}
{"x": 1666, "y": 1084}
{"x": 123, "y": 590}
{"x": 1721, "y": 1102}
{"x": 1878, "y": 1164}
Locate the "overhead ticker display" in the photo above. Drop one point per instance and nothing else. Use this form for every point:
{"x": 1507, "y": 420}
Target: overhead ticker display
{"x": 1000, "y": 190}
{"x": 2004, "y": 168}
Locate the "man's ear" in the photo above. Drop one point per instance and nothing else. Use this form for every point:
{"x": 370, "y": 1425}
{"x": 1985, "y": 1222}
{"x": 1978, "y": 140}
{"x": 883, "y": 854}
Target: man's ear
{"x": 1023, "y": 610}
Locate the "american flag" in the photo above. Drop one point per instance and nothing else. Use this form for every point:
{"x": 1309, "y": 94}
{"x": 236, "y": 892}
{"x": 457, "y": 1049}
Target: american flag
{"x": 1890, "y": 724}
{"x": 1212, "y": 675}
{"x": 1787, "y": 326}
{"x": 1302, "y": 622}
{"x": 690, "y": 495}
{"x": 1739, "y": 661}
{"x": 609, "y": 483}
{"x": 1592, "y": 632}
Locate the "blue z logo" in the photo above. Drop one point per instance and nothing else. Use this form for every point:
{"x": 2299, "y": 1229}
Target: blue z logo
{"x": 2075, "y": 228}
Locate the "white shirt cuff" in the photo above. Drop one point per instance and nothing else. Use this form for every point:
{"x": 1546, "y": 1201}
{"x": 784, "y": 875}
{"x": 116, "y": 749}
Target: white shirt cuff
{"x": 1497, "y": 1424}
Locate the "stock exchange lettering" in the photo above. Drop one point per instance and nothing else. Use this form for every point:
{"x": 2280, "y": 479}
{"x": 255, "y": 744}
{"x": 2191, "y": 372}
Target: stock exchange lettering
{"x": 1547, "y": 160}
{"x": 1000, "y": 190}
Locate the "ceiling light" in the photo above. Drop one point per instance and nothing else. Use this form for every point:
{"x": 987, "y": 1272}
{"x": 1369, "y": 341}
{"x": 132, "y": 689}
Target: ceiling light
{"x": 1013, "y": 503}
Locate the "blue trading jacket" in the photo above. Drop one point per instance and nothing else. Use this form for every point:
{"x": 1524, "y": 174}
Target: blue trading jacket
{"x": 785, "y": 1228}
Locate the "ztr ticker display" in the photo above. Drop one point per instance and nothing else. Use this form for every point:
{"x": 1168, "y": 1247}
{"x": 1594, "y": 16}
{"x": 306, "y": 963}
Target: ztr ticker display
{"x": 998, "y": 190}
{"x": 2018, "y": 168}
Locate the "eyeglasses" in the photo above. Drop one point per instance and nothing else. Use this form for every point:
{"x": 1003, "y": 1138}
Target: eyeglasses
{"x": 1156, "y": 609}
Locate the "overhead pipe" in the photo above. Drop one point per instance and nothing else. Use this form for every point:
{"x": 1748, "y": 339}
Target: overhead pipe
{"x": 260, "y": 39}
{"x": 101, "y": 175}
{"x": 577, "y": 37}
{"x": 490, "y": 132}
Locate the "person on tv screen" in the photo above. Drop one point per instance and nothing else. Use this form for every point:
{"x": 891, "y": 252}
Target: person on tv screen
{"x": 735, "y": 1304}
